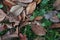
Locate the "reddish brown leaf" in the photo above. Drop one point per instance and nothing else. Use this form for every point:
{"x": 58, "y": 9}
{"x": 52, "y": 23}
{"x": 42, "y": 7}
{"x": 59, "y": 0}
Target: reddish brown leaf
{"x": 8, "y": 3}
{"x": 56, "y": 25}
{"x": 38, "y": 18}
{"x": 38, "y": 1}
{"x": 38, "y": 29}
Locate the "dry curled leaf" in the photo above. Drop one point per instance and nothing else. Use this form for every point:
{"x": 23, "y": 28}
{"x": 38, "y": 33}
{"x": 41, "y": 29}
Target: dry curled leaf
{"x": 38, "y": 1}
{"x": 38, "y": 18}
{"x": 56, "y": 25}
{"x": 31, "y": 7}
{"x": 25, "y": 1}
{"x": 38, "y": 30}
{"x": 2, "y": 15}
{"x": 8, "y": 3}
{"x": 57, "y": 4}
{"x": 16, "y": 10}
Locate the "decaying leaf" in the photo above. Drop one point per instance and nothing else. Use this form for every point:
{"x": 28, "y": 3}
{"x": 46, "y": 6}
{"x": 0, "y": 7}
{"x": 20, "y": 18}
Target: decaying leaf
{"x": 25, "y": 1}
{"x": 9, "y": 3}
{"x": 16, "y": 10}
{"x": 38, "y": 29}
{"x": 38, "y": 1}
{"x": 56, "y": 25}
{"x": 57, "y": 4}
{"x": 38, "y": 18}
{"x": 2, "y": 15}
{"x": 31, "y": 7}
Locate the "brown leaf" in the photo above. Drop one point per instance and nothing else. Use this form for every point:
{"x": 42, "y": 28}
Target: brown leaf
{"x": 19, "y": 17}
{"x": 38, "y": 1}
{"x": 38, "y": 29}
{"x": 23, "y": 15}
{"x": 5, "y": 37}
{"x": 57, "y": 4}
{"x": 31, "y": 7}
{"x": 25, "y": 1}
{"x": 38, "y": 18}
{"x": 56, "y": 25}
{"x": 22, "y": 4}
{"x": 2, "y": 15}
{"x": 8, "y": 3}
{"x": 16, "y": 10}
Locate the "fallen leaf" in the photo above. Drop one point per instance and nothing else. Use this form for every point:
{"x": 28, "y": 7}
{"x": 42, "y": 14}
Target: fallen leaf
{"x": 5, "y": 37}
{"x": 8, "y": 3}
{"x": 16, "y": 10}
{"x": 57, "y": 4}
{"x": 38, "y": 1}
{"x": 31, "y": 7}
{"x": 56, "y": 25}
{"x": 2, "y": 15}
{"x": 55, "y": 19}
{"x": 22, "y": 4}
{"x": 23, "y": 15}
{"x": 25, "y": 1}
{"x": 38, "y": 18}
{"x": 38, "y": 29}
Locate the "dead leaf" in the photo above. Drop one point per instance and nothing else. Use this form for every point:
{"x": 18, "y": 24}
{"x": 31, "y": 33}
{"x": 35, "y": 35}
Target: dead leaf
{"x": 2, "y": 15}
{"x": 55, "y": 19}
{"x": 56, "y": 25}
{"x": 31, "y": 7}
{"x": 19, "y": 17}
{"x": 22, "y": 4}
{"x": 38, "y": 1}
{"x": 38, "y": 18}
{"x": 8, "y": 3}
{"x": 57, "y": 4}
{"x": 23, "y": 15}
{"x": 5, "y": 37}
{"x": 25, "y": 1}
{"x": 38, "y": 29}
{"x": 16, "y": 10}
